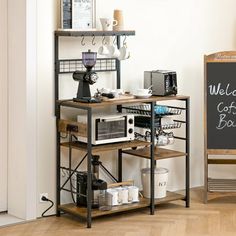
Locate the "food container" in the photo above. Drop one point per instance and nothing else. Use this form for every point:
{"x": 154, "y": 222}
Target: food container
{"x": 161, "y": 178}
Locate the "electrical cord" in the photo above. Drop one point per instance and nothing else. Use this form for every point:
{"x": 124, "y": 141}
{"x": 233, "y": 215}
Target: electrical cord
{"x": 70, "y": 165}
{"x": 52, "y": 204}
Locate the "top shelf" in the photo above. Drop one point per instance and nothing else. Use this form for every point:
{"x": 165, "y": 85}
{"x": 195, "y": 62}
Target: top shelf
{"x": 80, "y": 33}
{"x": 70, "y": 103}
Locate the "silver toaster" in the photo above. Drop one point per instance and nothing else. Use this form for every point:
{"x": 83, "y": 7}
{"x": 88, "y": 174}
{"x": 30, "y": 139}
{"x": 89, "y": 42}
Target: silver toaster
{"x": 163, "y": 82}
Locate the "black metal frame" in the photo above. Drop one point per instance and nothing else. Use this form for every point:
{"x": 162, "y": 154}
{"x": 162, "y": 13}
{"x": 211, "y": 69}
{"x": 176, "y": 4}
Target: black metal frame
{"x": 89, "y": 131}
{"x": 58, "y": 71}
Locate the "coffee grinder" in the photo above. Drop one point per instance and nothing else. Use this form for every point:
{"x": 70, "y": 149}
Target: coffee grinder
{"x": 97, "y": 184}
{"x": 86, "y": 78}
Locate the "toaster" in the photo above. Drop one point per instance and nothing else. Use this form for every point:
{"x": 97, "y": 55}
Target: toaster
{"x": 162, "y": 82}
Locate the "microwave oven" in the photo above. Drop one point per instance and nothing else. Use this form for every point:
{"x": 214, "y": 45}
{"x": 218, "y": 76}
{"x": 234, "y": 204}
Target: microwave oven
{"x": 109, "y": 128}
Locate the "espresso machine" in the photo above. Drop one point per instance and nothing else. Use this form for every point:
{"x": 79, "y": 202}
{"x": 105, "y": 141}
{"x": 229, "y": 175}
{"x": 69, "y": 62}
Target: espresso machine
{"x": 86, "y": 78}
{"x": 97, "y": 184}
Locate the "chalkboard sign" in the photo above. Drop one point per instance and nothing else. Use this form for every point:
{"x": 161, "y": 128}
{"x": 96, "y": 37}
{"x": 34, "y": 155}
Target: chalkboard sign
{"x": 220, "y": 95}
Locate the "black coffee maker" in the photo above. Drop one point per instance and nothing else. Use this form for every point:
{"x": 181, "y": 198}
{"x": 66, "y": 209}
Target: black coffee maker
{"x": 97, "y": 185}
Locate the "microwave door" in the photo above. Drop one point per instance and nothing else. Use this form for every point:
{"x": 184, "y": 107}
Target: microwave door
{"x": 110, "y": 128}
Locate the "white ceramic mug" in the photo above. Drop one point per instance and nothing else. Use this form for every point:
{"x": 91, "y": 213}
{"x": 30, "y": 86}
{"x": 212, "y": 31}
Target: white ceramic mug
{"x": 114, "y": 52}
{"x": 103, "y": 50}
{"x": 114, "y": 193}
{"x": 162, "y": 140}
{"x": 133, "y": 194}
{"x": 107, "y": 23}
{"x": 123, "y": 195}
{"x": 124, "y": 53}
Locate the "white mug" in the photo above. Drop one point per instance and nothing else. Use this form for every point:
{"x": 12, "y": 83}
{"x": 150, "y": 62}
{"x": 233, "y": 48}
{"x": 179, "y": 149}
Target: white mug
{"x": 162, "y": 140}
{"x": 123, "y": 195}
{"x": 133, "y": 194}
{"x": 103, "y": 50}
{"x": 107, "y": 23}
{"x": 124, "y": 53}
{"x": 113, "y": 51}
{"x": 114, "y": 193}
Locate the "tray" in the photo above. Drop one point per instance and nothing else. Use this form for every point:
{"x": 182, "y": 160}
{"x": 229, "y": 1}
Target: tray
{"x": 121, "y": 97}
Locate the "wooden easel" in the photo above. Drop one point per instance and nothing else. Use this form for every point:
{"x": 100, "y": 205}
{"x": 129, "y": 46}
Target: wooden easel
{"x": 219, "y": 60}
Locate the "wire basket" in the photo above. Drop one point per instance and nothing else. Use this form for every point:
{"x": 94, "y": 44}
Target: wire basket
{"x": 144, "y": 122}
{"x": 160, "y": 110}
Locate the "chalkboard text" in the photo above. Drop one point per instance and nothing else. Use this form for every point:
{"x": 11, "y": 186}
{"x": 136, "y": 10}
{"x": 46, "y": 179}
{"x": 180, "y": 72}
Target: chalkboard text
{"x": 218, "y": 90}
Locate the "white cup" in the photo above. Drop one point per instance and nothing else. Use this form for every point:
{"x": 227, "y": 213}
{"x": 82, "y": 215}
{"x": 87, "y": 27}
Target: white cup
{"x": 103, "y": 50}
{"x": 123, "y": 195}
{"x": 143, "y": 92}
{"x": 162, "y": 140}
{"x": 124, "y": 53}
{"x": 133, "y": 194}
{"x": 114, "y": 194}
{"x": 107, "y": 23}
{"x": 114, "y": 52}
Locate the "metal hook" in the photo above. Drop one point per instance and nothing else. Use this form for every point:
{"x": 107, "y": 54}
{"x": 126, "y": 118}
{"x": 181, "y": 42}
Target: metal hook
{"x": 82, "y": 41}
{"x": 93, "y": 41}
{"x": 124, "y": 41}
{"x": 104, "y": 40}
{"x": 114, "y": 40}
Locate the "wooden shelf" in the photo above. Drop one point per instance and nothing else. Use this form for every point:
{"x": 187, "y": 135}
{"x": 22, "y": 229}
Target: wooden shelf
{"x": 81, "y": 33}
{"x": 144, "y": 202}
{"x": 80, "y": 105}
{"x": 159, "y": 153}
{"x": 106, "y": 147}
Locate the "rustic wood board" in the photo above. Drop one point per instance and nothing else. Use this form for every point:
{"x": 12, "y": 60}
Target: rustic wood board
{"x": 144, "y": 202}
{"x": 159, "y": 153}
{"x": 70, "y": 103}
{"x": 106, "y": 147}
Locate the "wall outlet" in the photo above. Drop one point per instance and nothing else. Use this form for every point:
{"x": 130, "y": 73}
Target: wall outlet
{"x": 42, "y": 195}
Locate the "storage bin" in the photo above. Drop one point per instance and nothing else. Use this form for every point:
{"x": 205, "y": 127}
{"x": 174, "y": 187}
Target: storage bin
{"x": 161, "y": 178}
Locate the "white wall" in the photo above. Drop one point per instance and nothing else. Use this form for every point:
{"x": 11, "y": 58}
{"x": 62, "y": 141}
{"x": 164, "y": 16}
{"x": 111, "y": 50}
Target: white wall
{"x": 46, "y": 162}
{"x": 3, "y": 105}
{"x": 169, "y": 35}
{"x": 22, "y": 108}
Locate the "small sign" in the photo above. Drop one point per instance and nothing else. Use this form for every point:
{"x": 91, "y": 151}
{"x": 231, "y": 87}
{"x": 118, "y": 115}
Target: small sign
{"x": 83, "y": 14}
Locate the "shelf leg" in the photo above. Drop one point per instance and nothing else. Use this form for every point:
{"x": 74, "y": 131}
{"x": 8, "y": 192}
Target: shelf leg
{"x": 56, "y": 84}
{"x": 152, "y": 146}
{"x": 187, "y": 101}
{"x": 118, "y": 66}
{"x": 120, "y": 165}
{"x": 205, "y": 176}
{"x": 89, "y": 169}
{"x": 58, "y": 161}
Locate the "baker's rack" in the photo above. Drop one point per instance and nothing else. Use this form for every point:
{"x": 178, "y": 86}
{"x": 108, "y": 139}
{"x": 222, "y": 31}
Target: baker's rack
{"x": 63, "y": 66}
